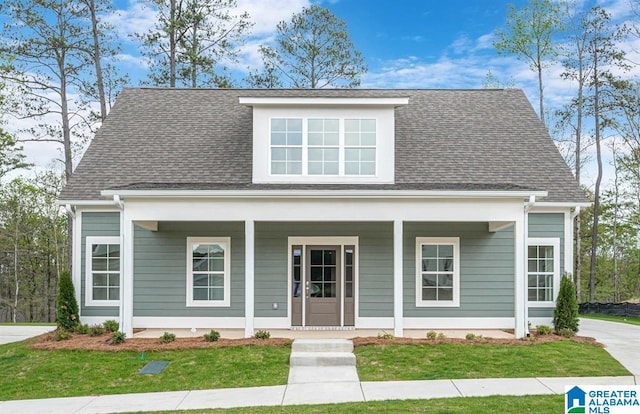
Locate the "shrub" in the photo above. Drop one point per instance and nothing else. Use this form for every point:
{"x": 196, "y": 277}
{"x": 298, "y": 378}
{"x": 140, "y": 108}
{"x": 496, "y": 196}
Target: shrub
{"x": 431, "y": 335}
{"x": 470, "y": 336}
{"x": 543, "y": 330}
{"x": 566, "y": 332}
{"x": 66, "y": 304}
{"x": 212, "y": 336}
{"x": 111, "y": 326}
{"x": 167, "y": 337}
{"x": 262, "y": 334}
{"x": 385, "y": 335}
{"x": 442, "y": 336}
{"x": 96, "y": 330}
{"x": 61, "y": 335}
{"x": 565, "y": 315}
{"x": 82, "y": 328}
{"x": 118, "y": 337}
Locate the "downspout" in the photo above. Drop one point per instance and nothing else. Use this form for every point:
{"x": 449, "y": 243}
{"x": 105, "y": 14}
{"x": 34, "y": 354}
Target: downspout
{"x": 70, "y": 210}
{"x": 527, "y": 208}
{"x": 576, "y": 212}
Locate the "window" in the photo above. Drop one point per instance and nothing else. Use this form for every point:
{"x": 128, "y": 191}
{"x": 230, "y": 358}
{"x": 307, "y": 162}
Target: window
{"x": 543, "y": 270}
{"x": 102, "y": 270}
{"x": 286, "y": 146}
{"x": 360, "y": 146}
{"x": 323, "y": 147}
{"x": 208, "y": 271}
{"x": 437, "y": 271}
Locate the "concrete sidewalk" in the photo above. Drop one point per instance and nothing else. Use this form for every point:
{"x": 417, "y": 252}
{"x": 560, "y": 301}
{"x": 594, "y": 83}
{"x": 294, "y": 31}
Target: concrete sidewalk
{"x": 16, "y": 333}
{"x": 312, "y": 393}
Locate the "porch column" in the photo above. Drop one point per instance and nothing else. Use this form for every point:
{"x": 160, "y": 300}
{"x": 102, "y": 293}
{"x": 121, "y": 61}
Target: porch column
{"x": 398, "y": 329}
{"x": 126, "y": 279}
{"x": 520, "y": 285}
{"x": 249, "y": 278}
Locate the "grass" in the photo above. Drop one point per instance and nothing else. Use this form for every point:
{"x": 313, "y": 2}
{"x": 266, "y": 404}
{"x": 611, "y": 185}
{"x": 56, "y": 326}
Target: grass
{"x": 453, "y": 361}
{"x": 612, "y": 318}
{"x": 29, "y": 373}
{"x": 471, "y": 405}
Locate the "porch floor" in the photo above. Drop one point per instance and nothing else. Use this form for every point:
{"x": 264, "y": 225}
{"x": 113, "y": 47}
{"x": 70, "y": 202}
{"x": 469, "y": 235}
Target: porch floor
{"x": 346, "y": 334}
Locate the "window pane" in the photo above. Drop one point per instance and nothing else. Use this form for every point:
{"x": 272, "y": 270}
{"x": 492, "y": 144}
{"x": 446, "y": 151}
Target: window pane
{"x": 114, "y": 250}
{"x": 114, "y": 279}
{"x": 548, "y": 294}
{"x": 278, "y": 138}
{"x": 99, "y": 250}
{"x": 331, "y": 138}
{"x": 533, "y": 252}
{"x": 217, "y": 265}
{"x": 315, "y": 125}
{"x": 368, "y": 154}
{"x": 315, "y": 138}
{"x": 216, "y": 294}
{"x": 331, "y": 168}
{"x": 368, "y": 125}
{"x": 316, "y": 273}
{"x": 429, "y": 265}
{"x": 533, "y": 265}
{"x": 429, "y": 280}
{"x": 547, "y": 265}
{"x": 329, "y": 290}
{"x": 315, "y": 154}
{"x": 294, "y": 168}
{"x": 351, "y": 139}
{"x": 99, "y": 279}
{"x": 331, "y": 154}
{"x": 200, "y": 265}
{"x": 200, "y": 293}
{"x": 294, "y": 124}
{"x": 315, "y": 290}
{"x": 99, "y": 293}
{"x": 114, "y": 265}
{"x": 200, "y": 280}
{"x": 329, "y": 257}
{"x": 348, "y": 273}
{"x": 368, "y": 139}
{"x": 429, "y": 250}
{"x": 278, "y": 168}
{"x": 532, "y": 281}
{"x": 348, "y": 291}
{"x": 316, "y": 257}
{"x": 445, "y": 250}
{"x": 331, "y": 125}
{"x": 445, "y": 294}
{"x": 330, "y": 274}
{"x": 315, "y": 168}
{"x": 352, "y": 155}
{"x": 114, "y": 293}
{"x": 546, "y": 252}
{"x": 296, "y": 273}
{"x": 533, "y": 295}
{"x": 216, "y": 280}
{"x": 428, "y": 294}
{"x": 99, "y": 263}
{"x": 294, "y": 154}
{"x": 351, "y": 125}
{"x": 294, "y": 138}
{"x": 278, "y": 124}
{"x": 351, "y": 168}
{"x": 445, "y": 265}
{"x": 278, "y": 154}
{"x": 445, "y": 280}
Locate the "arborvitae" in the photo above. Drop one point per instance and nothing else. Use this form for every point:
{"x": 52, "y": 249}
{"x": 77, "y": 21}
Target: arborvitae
{"x": 67, "y": 306}
{"x": 566, "y": 313}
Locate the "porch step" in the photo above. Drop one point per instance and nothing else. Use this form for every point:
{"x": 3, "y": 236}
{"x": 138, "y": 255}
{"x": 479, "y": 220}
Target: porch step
{"x": 322, "y": 360}
{"x": 322, "y": 345}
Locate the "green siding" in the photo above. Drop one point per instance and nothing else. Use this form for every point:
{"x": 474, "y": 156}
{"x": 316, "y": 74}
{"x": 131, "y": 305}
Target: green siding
{"x": 106, "y": 224}
{"x": 160, "y": 269}
{"x": 375, "y": 264}
{"x": 550, "y": 225}
{"x": 486, "y": 270}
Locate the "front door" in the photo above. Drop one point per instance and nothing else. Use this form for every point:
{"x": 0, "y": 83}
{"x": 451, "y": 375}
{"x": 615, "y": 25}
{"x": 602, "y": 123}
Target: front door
{"x": 323, "y": 281}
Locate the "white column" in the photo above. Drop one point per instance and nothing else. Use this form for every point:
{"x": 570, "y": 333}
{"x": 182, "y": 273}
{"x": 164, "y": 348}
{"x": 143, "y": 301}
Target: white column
{"x": 568, "y": 244}
{"x": 520, "y": 287}
{"x": 398, "y": 329}
{"x": 126, "y": 275}
{"x": 77, "y": 260}
{"x": 249, "y": 277}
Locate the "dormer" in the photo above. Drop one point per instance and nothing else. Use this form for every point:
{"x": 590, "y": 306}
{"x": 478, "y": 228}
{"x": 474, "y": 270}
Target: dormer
{"x": 323, "y": 140}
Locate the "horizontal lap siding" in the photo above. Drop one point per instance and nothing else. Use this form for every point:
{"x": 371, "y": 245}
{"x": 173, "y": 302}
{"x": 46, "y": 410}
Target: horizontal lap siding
{"x": 486, "y": 270}
{"x": 160, "y": 269}
{"x": 106, "y": 224}
{"x": 376, "y": 264}
{"x": 545, "y": 225}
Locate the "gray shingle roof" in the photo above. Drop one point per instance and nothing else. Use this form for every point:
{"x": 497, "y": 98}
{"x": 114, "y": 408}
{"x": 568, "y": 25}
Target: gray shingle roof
{"x": 201, "y": 139}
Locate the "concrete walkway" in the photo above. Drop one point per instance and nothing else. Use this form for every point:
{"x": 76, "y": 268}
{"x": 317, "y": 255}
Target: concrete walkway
{"x": 323, "y": 393}
{"x": 621, "y": 340}
{"x": 16, "y": 333}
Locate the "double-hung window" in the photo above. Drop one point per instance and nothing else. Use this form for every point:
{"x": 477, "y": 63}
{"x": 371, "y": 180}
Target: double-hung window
{"x": 208, "y": 271}
{"x": 543, "y": 271}
{"x": 437, "y": 271}
{"x": 102, "y": 271}
{"x": 335, "y": 147}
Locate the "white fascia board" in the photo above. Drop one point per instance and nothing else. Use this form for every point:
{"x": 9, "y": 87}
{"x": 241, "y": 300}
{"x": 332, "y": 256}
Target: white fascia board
{"x": 320, "y": 194}
{"x": 100, "y": 203}
{"x": 542, "y": 205}
{"x": 285, "y": 101}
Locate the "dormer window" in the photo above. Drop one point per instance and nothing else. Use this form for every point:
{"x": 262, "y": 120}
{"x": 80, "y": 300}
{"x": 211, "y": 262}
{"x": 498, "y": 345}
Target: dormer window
{"x": 323, "y": 140}
{"x": 323, "y": 146}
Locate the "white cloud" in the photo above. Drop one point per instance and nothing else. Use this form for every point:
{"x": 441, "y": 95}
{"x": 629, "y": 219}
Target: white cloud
{"x": 267, "y": 14}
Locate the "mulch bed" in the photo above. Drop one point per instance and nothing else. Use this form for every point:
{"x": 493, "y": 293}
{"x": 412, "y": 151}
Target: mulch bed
{"x": 103, "y": 342}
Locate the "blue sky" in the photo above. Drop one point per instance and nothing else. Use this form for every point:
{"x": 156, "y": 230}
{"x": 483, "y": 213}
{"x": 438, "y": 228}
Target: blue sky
{"x": 405, "y": 43}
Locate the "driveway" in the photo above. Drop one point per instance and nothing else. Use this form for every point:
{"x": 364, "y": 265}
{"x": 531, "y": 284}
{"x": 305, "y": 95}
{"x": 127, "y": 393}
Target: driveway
{"x": 16, "y": 333}
{"x": 621, "y": 340}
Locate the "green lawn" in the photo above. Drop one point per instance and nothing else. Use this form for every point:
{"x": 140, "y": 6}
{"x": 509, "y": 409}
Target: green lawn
{"x": 29, "y": 373}
{"x": 451, "y": 361}
{"x": 474, "y": 405}
{"x": 612, "y": 318}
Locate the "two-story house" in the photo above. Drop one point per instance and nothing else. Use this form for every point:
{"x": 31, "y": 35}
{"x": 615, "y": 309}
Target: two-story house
{"x": 332, "y": 209}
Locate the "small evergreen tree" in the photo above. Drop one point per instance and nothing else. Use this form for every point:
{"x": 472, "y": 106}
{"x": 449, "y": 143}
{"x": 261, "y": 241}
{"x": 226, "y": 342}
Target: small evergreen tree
{"x": 67, "y": 305}
{"x": 565, "y": 316}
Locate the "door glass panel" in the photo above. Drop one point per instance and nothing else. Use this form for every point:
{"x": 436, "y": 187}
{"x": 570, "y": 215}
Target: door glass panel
{"x": 329, "y": 257}
{"x": 323, "y": 273}
{"x": 316, "y": 257}
{"x": 316, "y": 273}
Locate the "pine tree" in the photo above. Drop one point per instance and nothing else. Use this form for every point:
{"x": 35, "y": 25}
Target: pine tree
{"x": 566, "y": 313}
{"x": 67, "y": 304}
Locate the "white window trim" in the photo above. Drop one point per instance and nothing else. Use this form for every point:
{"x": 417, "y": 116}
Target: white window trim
{"x": 455, "y": 241}
{"x": 555, "y": 243}
{"x": 341, "y": 146}
{"x": 88, "y": 270}
{"x": 226, "y": 302}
